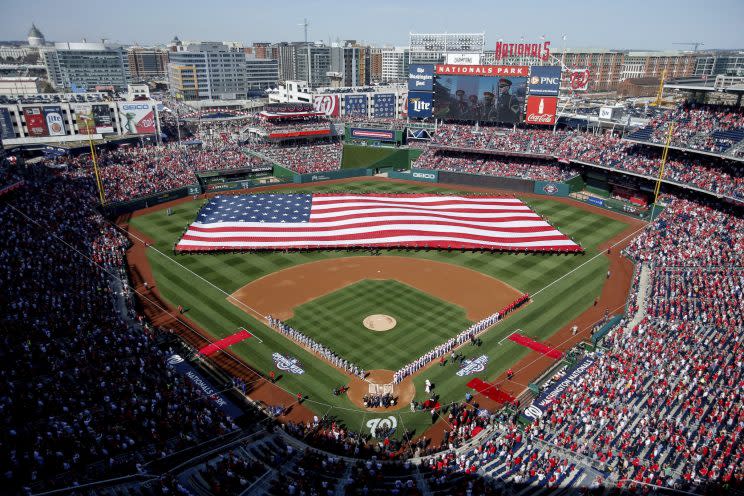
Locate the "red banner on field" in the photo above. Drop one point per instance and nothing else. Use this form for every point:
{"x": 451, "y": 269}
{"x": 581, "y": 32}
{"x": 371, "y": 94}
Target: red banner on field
{"x": 535, "y": 345}
{"x": 230, "y": 340}
{"x": 541, "y": 110}
{"x": 490, "y": 391}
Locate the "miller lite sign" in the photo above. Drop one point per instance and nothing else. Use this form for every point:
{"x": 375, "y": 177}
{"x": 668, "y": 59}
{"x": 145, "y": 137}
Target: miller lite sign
{"x": 541, "y": 110}
{"x": 419, "y": 104}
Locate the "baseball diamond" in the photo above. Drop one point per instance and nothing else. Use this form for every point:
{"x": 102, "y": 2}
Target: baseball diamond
{"x": 227, "y": 290}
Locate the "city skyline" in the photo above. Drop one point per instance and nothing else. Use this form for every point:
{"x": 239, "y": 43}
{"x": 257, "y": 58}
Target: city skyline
{"x": 632, "y": 25}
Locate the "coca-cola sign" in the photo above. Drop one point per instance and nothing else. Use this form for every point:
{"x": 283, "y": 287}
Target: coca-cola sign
{"x": 541, "y": 110}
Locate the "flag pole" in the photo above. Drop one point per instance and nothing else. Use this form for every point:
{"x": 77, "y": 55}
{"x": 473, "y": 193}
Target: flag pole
{"x": 99, "y": 184}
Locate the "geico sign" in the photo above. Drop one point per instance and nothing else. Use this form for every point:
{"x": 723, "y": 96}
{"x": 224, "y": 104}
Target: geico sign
{"x": 423, "y": 175}
{"x": 136, "y": 107}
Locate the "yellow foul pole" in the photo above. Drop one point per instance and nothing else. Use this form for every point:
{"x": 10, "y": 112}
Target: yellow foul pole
{"x": 661, "y": 167}
{"x": 95, "y": 171}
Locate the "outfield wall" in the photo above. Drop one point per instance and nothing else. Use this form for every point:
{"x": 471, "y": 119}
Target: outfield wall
{"x": 377, "y": 157}
{"x": 329, "y": 175}
{"x": 123, "y": 207}
{"x": 520, "y": 185}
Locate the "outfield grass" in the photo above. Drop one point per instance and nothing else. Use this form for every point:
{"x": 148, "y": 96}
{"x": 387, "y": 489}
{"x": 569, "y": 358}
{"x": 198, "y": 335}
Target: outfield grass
{"x": 203, "y": 282}
{"x": 423, "y": 322}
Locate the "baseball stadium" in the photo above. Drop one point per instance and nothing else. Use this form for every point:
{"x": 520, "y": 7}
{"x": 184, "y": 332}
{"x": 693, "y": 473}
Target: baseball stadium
{"x": 484, "y": 282}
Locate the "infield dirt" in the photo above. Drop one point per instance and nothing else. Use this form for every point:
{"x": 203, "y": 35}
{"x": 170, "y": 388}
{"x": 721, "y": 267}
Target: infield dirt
{"x": 277, "y": 294}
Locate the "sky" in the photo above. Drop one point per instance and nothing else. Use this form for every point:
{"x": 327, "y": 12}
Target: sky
{"x": 628, "y": 24}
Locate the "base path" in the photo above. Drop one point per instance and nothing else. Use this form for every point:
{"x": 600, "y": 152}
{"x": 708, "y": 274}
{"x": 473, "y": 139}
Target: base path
{"x": 278, "y": 293}
{"x": 405, "y": 391}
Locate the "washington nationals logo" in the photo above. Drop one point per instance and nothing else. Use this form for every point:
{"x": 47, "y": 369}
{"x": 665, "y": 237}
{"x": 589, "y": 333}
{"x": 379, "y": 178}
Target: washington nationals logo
{"x": 386, "y": 423}
{"x": 174, "y": 359}
{"x": 579, "y": 79}
{"x": 327, "y": 104}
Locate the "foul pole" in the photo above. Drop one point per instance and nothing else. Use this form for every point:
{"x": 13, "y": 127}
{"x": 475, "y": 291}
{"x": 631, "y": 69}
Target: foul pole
{"x": 661, "y": 167}
{"x": 99, "y": 184}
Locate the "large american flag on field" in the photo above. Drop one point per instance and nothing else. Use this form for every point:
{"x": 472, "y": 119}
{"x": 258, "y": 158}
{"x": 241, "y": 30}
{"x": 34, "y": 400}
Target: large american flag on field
{"x": 303, "y": 221}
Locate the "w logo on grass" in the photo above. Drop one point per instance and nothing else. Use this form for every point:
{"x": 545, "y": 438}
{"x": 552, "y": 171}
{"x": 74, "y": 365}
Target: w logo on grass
{"x": 386, "y": 423}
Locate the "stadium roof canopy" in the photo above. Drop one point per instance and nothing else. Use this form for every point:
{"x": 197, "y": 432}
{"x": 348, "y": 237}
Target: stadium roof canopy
{"x": 720, "y": 84}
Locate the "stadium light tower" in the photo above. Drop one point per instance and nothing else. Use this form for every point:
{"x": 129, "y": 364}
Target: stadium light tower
{"x": 307, "y": 50}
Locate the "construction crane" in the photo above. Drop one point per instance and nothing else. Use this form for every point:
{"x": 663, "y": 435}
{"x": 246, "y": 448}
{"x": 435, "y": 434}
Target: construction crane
{"x": 694, "y": 44}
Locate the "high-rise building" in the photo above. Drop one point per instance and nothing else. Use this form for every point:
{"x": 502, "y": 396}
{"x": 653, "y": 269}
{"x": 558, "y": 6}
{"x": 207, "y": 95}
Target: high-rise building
{"x": 207, "y": 70}
{"x": 375, "y": 64}
{"x": 720, "y": 62}
{"x": 86, "y": 65}
{"x": 313, "y": 64}
{"x": 147, "y": 64}
{"x": 261, "y": 74}
{"x": 654, "y": 64}
{"x": 351, "y": 64}
{"x": 394, "y": 64}
{"x": 262, "y": 50}
{"x": 286, "y": 54}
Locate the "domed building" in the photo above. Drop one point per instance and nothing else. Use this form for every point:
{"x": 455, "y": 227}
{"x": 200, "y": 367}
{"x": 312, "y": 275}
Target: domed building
{"x": 35, "y": 37}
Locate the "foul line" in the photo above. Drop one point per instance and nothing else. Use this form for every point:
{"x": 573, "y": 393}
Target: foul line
{"x": 229, "y": 296}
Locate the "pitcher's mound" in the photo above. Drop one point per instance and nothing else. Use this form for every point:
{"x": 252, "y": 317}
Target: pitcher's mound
{"x": 379, "y": 322}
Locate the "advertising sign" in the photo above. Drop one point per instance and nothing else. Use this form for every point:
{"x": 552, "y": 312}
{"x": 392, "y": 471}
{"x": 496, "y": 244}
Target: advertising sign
{"x": 482, "y": 70}
{"x": 84, "y": 118}
{"x": 579, "y": 79}
{"x": 137, "y": 117}
{"x": 384, "y": 105}
{"x": 482, "y": 98}
{"x": 541, "y": 110}
{"x": 35, "y": 122}
{"x": 541, "y": 404}
{"x": 374, "y": 134}
{"x": 545, "y": 80}
{"x": 184, "y": 368}
{"x": 463, "y": 58}
{"x": 6, "y": 124}
{"x": 102, "y": 119}
{"x": 355, "y": 105}
{"x": 328, "y": 104}
{"x": 420, "y": 105}
{"x": 605, "y": 113}
{"x": 420, "y": 77}
{"x": 54, "y": 121}
{"x": 551, "y": 188}
{"x": 425, "y": 175}
{"x": 535, "y": 50}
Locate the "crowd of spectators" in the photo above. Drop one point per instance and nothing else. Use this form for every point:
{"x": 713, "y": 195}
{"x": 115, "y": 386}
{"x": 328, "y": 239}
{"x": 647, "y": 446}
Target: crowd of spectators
{"x": 131, "y": 171}
{"x": 490, "y": 165}
{"x": 304, "y": 158}
{"x": 710, "y": 128}
{"x": 84, "y": 390}
{"x": 712, "y": 174}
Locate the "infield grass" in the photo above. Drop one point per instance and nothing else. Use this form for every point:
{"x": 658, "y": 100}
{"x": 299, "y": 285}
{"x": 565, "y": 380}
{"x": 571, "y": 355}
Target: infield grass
{"x": 336, "y": 320}
{"x": 202, "y": 283}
